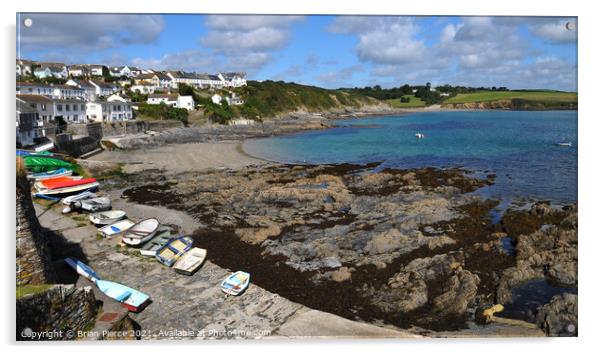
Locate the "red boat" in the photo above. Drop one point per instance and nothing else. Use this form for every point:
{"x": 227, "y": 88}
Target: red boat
{"x": 64, "y": 182}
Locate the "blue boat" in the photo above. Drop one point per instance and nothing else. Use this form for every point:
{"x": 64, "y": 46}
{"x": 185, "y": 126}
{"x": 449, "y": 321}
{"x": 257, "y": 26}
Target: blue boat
{"x": 236, "y": 283}
{"x": 131, "y": 299}
{"x": 50, "y": 174}
{"x": 169, "y": 254}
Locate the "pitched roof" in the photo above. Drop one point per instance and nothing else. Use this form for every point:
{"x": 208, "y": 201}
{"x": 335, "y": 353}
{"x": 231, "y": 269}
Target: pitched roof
{"x": 169, "y": 96}
{"x": 34, "y": 98}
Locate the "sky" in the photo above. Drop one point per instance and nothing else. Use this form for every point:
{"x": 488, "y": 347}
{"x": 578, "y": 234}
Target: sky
{"x": 326, "y": 51}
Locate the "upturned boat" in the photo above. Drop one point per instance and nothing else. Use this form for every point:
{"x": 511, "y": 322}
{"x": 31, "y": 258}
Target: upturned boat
{"x": 107, "y": 217}
{"x": 190, "y": 261}
{"x": 173, "y": 249}
{"x": 63, "y": 182}
{"x": 37, "y": 163}
{"x": 236, "y": 283}
{"x": 61, "y": 172}
{"x": 141, "y": 232}
{"x": 67, "y": 191}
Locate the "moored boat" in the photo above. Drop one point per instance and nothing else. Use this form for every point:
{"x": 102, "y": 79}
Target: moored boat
{"x": 141, "y": 232}
{"x": 151, "y": 247}
{"x": 116, "y": 228}
{"x": 190, "y": 261}
{"x": 564, "y": 143}
{"x": 107, "y": 217}
{"x": 173, "y": 249}
{"x": 236, "y": 283}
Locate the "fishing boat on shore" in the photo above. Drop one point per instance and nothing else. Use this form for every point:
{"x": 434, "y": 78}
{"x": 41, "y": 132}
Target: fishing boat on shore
{"x": 116, "y": 228}
{"x": 153, "y": 245}
{"x": 173, "y": 249}
{"x": 141, "y": 232}
{"x": 190, "y": 261}
{"x": 79, "y": 196}
{"x": 107, "y": 217}
{"x": 61, "y": 172}
{"x": 236, "y": 283}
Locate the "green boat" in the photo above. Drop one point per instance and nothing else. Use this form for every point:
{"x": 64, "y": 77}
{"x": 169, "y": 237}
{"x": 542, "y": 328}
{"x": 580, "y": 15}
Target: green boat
{"x": 38, "y": 164}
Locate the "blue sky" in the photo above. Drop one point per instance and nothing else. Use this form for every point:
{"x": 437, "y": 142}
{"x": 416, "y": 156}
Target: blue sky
{"x": 328, "y": 51}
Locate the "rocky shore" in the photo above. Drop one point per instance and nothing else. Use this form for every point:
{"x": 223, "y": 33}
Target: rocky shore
{"x": 411, "y": 249}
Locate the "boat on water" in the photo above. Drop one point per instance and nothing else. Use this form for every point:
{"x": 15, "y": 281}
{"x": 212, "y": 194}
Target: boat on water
{"x": 131, "y": 299}
{"x": 236, "y": 283}
{"x": 173, "y": 249}
{"x": 82, "y": 269}
{"x": 419, "y": 135}
{"x": 190, "y": 261}
{"x": 61, "y": 172}
{"x": 37, "y": 163}
{"x": 564, "y": 143}
{"x": 107, "y": 217}
{"x": 116, "y": 228}
{"x": 80, "y": 196}
{"x": 141, "y": 232}
{"x": 150, "y": 248}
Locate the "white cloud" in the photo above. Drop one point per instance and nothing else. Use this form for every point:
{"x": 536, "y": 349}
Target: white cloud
{"x": 249, "y": 22}
{"x": 263, "y": 38}
{"x": 555, "y": 30}
{"x": 88, "y": 31}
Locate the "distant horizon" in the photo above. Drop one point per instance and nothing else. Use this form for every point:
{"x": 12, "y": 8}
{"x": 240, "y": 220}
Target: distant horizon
{"x": 332, "y": 52}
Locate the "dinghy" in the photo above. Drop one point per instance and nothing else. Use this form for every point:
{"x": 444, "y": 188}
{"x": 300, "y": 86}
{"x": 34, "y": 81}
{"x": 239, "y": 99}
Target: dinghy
{"x": 63, "y": 182}
{"x": 190, "y": 261}
{"x": 62, "y": 192}
{"x": 161, "y": 238}
{"x": 80, "y": 196}
{"x": 116, "y": 228}
{"x": 131, "y": 299}
{"x": 37, "y": 163}
{"x": 61, "y": 172}
{"x": 173, "y": 249}
{"x": 92, "y": 205}
{"x": 82, "y": 269}
{"x": 107, "y": 217}
{"x": 141, "y": 232}
{"x": 419, "y": 135}
{"x": 564, "y": 143}
{"x": 236, "y": 283}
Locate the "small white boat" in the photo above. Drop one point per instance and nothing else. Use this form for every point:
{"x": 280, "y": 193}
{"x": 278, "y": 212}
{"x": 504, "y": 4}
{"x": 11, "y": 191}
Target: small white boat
{"x": 419, "y": 135}
{"x": 141, "y": 232}
{"x": 92, "y": 205}
{"x": 173, "y": 250}
{"x": 564, "y": 143}
{"x": 190, "y": 261}
{"x": 116, "y": 228}
{"x": 80, "y": 196}
{"x": 236, "y": 283}
{"x": 107, "y": 217}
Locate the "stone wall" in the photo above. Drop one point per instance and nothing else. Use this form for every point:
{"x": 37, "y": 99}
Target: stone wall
{"x": 53, "y": 314}
{"x": 33, "y": 259}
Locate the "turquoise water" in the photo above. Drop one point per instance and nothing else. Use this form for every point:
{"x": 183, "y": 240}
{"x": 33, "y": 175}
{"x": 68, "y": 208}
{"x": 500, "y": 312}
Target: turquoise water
{"x": 518, "y": 146}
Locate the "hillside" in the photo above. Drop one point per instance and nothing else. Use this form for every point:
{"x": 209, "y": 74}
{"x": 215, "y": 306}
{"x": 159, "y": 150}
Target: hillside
{"x": 536, "y": 99}
{"x": 268, "y": 99}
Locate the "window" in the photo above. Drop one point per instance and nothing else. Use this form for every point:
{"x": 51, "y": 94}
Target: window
{"x": 83, "y": 107}
{"x": 59, "y": 107}
{"x": 43, "y": 106}
{"x": 67, "y": 108}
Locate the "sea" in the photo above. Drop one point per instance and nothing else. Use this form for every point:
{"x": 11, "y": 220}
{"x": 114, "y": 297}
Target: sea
{"x": 519, "y": 147}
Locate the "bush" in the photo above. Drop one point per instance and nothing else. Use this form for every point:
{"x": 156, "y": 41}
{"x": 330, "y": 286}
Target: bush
{"x": 163, "y": 111}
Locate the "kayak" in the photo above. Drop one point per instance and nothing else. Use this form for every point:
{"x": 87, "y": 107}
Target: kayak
{"x": 107, "y": 217}
{"x": 173, "y": 249}
{"x": 116, "y": 228}
{"x": 236, "y": 283}
{"x": 190, "y": 261}
{"x": 141, "y": 232}
{"x": 35, "y": 163}
{"x": 50, "y": 174}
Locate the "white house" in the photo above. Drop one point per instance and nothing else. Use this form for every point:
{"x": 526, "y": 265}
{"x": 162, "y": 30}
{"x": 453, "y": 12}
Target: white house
{"x": 172, "y": 99}
{"x": 181, "y": 77}
{"x": 233, "y": 79}
{"x": 89, "y": 89}
{"x": 73, "y": 111}
{"x": 217, "y": 99}
{"x": 144, "y": 88}
{"x": 51, "y": 91}
{"x": 46, "y": 70}
{"x": 108, "y": 111}
{"x": 24, "y": 67}
{"x": 96, "y": 70}
{"x": 103, "y": 88}
{"x": 27, "y": 123}
{"x": 78, "y": 70}
{"x": 128, "y": 71}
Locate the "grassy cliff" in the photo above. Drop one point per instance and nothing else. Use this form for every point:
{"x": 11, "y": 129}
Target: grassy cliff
{"x": 536, "y": 99}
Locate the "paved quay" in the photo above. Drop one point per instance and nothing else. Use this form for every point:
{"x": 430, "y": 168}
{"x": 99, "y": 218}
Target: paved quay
{"x": 193, "y": 307}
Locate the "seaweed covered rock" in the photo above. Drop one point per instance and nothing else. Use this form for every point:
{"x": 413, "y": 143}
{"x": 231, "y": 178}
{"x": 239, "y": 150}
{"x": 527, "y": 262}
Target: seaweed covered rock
{"x": 559, "y": 316}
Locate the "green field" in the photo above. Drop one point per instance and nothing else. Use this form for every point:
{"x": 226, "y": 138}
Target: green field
{"x": 414, "y": 102}
{"x": 538, "y": 96}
